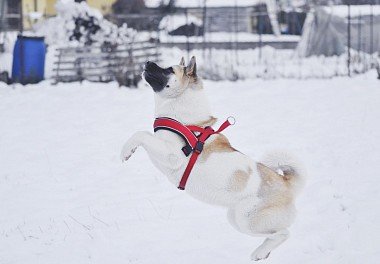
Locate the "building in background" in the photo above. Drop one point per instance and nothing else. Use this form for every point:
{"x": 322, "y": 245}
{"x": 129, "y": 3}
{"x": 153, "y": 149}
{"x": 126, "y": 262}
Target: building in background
{"x": 10, "y": 15}
{"x": 326, "y": 30}
{"x": 11, "y": 11}
{"x": 104, "y": 6}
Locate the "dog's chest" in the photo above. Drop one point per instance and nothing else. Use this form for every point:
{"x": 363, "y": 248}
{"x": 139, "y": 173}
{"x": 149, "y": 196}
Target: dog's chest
{"x": 173, "y": 163}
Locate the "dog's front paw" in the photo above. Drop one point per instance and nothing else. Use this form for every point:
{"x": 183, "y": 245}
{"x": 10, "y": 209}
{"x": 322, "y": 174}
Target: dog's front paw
{"x": 127, "y": 152}
{"x": 132, "y": 144}
{"x": 260, "y": 254}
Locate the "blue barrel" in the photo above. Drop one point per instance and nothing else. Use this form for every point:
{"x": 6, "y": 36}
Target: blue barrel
{"x": 28, "y": 60}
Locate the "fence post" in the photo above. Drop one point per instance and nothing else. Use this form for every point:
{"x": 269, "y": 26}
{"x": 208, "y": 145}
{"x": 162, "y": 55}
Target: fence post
{"x": 359, "y": 33}
{"x": 158, "y": 42}
{"x": 58, "y": 66}
{"x": 371, "y": 31}
{"x": 204, "y": 30}
{"x": 22, "y": 62}
{"x": 187, "y": 34}
{"x": 260, "y": 34}
{"x": 2, "y": 19}
{"x": 349, "y": 40}
{"x": 236, "y": 16}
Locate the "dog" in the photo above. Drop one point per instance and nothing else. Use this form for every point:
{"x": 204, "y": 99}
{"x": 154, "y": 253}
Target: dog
{"x": 259, "y": 196}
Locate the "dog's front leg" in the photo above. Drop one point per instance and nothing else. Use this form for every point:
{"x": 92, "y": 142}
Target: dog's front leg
{"x": 155, "y": 147}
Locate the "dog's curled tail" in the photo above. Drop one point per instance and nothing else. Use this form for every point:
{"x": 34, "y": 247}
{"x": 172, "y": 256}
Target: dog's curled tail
{"x": 288, "y": 167}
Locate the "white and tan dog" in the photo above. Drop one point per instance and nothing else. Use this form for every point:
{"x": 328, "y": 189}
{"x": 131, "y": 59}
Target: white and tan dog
{"x": 259, "y": 196}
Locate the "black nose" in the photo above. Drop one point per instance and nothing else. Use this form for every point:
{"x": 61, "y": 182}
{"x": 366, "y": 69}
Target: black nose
{"x": 147, "y": 64}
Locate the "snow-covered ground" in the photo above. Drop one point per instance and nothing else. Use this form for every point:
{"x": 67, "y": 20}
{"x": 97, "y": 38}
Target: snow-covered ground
{"x": 66, "y": 197}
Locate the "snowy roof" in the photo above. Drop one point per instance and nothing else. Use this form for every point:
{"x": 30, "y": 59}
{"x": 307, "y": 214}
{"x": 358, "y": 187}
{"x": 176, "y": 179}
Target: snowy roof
{"x": 356, "y": 10}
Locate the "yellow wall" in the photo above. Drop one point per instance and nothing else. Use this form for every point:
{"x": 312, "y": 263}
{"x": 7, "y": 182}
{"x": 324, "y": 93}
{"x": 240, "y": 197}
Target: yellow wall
{"x": 47, "y": 7}
{"x": 42, "y": 6}
{"x": 50, "y": 7}
{"x": 29, "y": 6}
{"x": 103, "y": 5}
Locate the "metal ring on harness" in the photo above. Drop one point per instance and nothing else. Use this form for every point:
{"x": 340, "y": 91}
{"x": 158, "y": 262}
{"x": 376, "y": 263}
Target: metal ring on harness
{"x": 232, "y": 119}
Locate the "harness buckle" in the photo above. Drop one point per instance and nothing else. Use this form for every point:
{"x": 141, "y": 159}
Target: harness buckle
{"x": 187, "y": 150}
{"x": 199, "y": 147}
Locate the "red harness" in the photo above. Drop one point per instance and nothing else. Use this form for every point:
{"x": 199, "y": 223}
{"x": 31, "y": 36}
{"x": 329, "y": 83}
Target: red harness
{"x": 193, "y": 143}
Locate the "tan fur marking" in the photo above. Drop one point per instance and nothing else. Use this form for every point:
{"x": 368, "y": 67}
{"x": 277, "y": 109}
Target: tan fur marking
{"x": 268, "y": 175}
{"x": 274, "y": 187}
{"x": 239, "y": 180}
{"x": 275, "y": 195}
{"x": 209, "y": 122}
{"x": 186, "y": 80}
{"x": 219, "y": 144}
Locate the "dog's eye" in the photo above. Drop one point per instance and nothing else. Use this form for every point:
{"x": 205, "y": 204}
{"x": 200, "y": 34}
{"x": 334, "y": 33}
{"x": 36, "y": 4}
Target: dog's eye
{"x": 168, "y": 85}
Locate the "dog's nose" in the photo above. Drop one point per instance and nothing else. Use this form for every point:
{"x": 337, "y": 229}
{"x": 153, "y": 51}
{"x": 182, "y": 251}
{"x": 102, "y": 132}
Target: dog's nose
{"x": 147, "y": 64}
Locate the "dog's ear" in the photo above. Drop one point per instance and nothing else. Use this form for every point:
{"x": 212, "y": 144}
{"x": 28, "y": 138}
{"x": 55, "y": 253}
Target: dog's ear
{"x": 191, "y": 69}
{"x": 182, "y": 62}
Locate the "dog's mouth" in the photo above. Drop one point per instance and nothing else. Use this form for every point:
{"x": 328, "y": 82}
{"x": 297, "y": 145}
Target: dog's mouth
{"x": 156, "y": 76}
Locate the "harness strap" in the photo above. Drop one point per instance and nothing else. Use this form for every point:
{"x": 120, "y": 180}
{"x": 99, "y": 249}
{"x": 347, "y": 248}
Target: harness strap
{"x": 194, "y": 143}
{"x": 173, "y": 125}
{"x": 207, "y": 132}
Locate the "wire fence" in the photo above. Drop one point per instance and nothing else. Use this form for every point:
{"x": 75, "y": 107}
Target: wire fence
{"x": 104, "y": 63}
{"x": 237, "y": 43}
{"x": 244, "y": 42}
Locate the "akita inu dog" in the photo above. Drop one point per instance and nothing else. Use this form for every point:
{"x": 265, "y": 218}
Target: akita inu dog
{"x": 259, "y": 196}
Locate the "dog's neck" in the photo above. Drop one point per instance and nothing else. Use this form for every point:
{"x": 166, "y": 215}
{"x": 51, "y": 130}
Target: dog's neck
{"x": 190, "y": 108}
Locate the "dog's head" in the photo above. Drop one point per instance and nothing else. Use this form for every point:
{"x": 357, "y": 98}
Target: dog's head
{"x": 171, "y": 81}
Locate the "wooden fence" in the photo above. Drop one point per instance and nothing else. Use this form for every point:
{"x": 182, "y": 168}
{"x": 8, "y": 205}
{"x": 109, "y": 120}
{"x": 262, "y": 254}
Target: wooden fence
{"x": 104, "y": 63}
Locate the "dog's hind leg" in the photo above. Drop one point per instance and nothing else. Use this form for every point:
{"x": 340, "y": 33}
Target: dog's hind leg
{"x": 254, "y": 217}
{"x": 270, "y": 243}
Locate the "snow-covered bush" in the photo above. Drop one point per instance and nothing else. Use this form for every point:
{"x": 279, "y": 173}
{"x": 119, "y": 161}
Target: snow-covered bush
{"x": 79, "y": 24}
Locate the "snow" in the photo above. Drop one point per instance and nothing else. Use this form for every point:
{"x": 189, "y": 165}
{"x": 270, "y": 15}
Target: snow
{"x": 35, "y": 15}
{"x": 79, "y": 24}
{"x": 66, "y": 197}
{"x": 356, "y": 10}
{"x": 8, "y": 39}
{"x": 6, "y": 61}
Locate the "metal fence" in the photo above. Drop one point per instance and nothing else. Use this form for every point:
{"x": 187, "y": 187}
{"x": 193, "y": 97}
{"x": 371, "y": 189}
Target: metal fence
{"x": 104, "y": 63}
